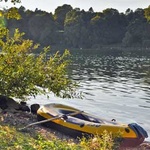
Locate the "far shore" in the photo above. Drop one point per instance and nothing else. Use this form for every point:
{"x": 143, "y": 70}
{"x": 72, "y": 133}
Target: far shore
{"x": 110, "y": 49}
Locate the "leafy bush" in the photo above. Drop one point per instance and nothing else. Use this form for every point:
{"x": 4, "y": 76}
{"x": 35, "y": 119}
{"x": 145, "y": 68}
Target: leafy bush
{"x": 105, "y": 142}
{"x": 22, "y": 73}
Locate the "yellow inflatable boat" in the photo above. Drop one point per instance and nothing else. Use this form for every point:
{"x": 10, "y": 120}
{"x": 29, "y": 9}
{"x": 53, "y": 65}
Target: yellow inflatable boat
{"x": 76, "y": 123}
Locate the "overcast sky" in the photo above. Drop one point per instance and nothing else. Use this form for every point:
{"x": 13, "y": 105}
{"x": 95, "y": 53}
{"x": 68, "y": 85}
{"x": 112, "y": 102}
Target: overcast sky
{"x": 97, "y": 5}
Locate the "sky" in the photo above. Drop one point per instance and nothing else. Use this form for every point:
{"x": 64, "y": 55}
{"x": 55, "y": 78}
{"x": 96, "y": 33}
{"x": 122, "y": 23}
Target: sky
{"x": 97, "y": 5}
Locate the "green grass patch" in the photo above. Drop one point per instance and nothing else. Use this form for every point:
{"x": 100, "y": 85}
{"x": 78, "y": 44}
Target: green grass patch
{"x": 12, "y": 139}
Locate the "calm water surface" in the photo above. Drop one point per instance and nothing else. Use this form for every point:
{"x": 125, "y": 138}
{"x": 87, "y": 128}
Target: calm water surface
{"x": 113, "y": 87}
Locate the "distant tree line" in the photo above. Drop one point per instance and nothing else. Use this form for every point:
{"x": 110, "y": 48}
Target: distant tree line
{"x": 75, "y": 28}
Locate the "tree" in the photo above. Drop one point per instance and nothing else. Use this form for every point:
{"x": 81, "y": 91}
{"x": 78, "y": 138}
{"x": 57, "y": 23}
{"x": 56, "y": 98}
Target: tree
{"x": 60, "y": 15}
{"x": 91, "y": 10}
{"x": 41, "y": 27}
{"x": 147, "y": 13}
{"x": 77, "y": 29}
{"x": 23, "y": 73}
{"x": 137, "y": 30}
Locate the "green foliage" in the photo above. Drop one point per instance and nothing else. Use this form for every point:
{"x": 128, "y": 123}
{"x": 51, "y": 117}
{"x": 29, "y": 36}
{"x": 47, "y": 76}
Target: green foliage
{"x": 2, "y": 22}
{"x": 137, "y": 31}
{"x": 41, "y": 27}
{"x": 105, "y": 142}
{"x": 72, "y": 17}
{"x": 95, "y": 19}
{"x": 12, "y": 13}
{"x": 24, "y": 74}
{"x": 75, "y": 28}
{"x": 147, "y": 13}
{"x": 11, "y": 139}
{"x": 110, "y": 12}
{"x": 60, "y": 15}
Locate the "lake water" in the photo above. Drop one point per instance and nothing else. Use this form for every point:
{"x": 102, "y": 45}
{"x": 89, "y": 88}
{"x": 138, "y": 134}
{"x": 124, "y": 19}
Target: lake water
{"x": 114, "y": 87}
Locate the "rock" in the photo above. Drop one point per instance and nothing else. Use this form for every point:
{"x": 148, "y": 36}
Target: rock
{"x": 34, "y": 108}
{"x": 145, "y": 146}
{"x": 6, "y": 103}
{"x": 3, "y": 102}
{"x": 23, "y": 103}
{"x": 24, "y": 107}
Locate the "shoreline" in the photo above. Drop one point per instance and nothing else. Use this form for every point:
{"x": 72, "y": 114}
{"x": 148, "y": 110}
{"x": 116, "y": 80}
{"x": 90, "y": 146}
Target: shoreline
{"x": 104, "y": 48}
{"x": 19, "y": 119}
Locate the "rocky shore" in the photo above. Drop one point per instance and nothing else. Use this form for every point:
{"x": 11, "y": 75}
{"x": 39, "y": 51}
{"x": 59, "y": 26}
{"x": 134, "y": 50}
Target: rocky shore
{"x": 20, "y": 115}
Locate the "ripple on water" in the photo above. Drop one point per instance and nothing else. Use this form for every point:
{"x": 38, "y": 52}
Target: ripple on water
{"x": 113, "y": 87}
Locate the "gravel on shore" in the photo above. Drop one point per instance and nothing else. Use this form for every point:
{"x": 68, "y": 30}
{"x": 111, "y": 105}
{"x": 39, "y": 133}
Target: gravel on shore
{"x": 20, "y": 119}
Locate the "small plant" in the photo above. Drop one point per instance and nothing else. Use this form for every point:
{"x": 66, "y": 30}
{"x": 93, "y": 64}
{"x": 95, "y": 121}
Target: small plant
{"x": 12, "y": 139}
{"x": 107, "y": 141}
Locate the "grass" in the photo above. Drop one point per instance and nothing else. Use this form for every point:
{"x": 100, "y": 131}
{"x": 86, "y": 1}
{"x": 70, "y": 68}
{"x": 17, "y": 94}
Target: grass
{"x": 12, "y": 139}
